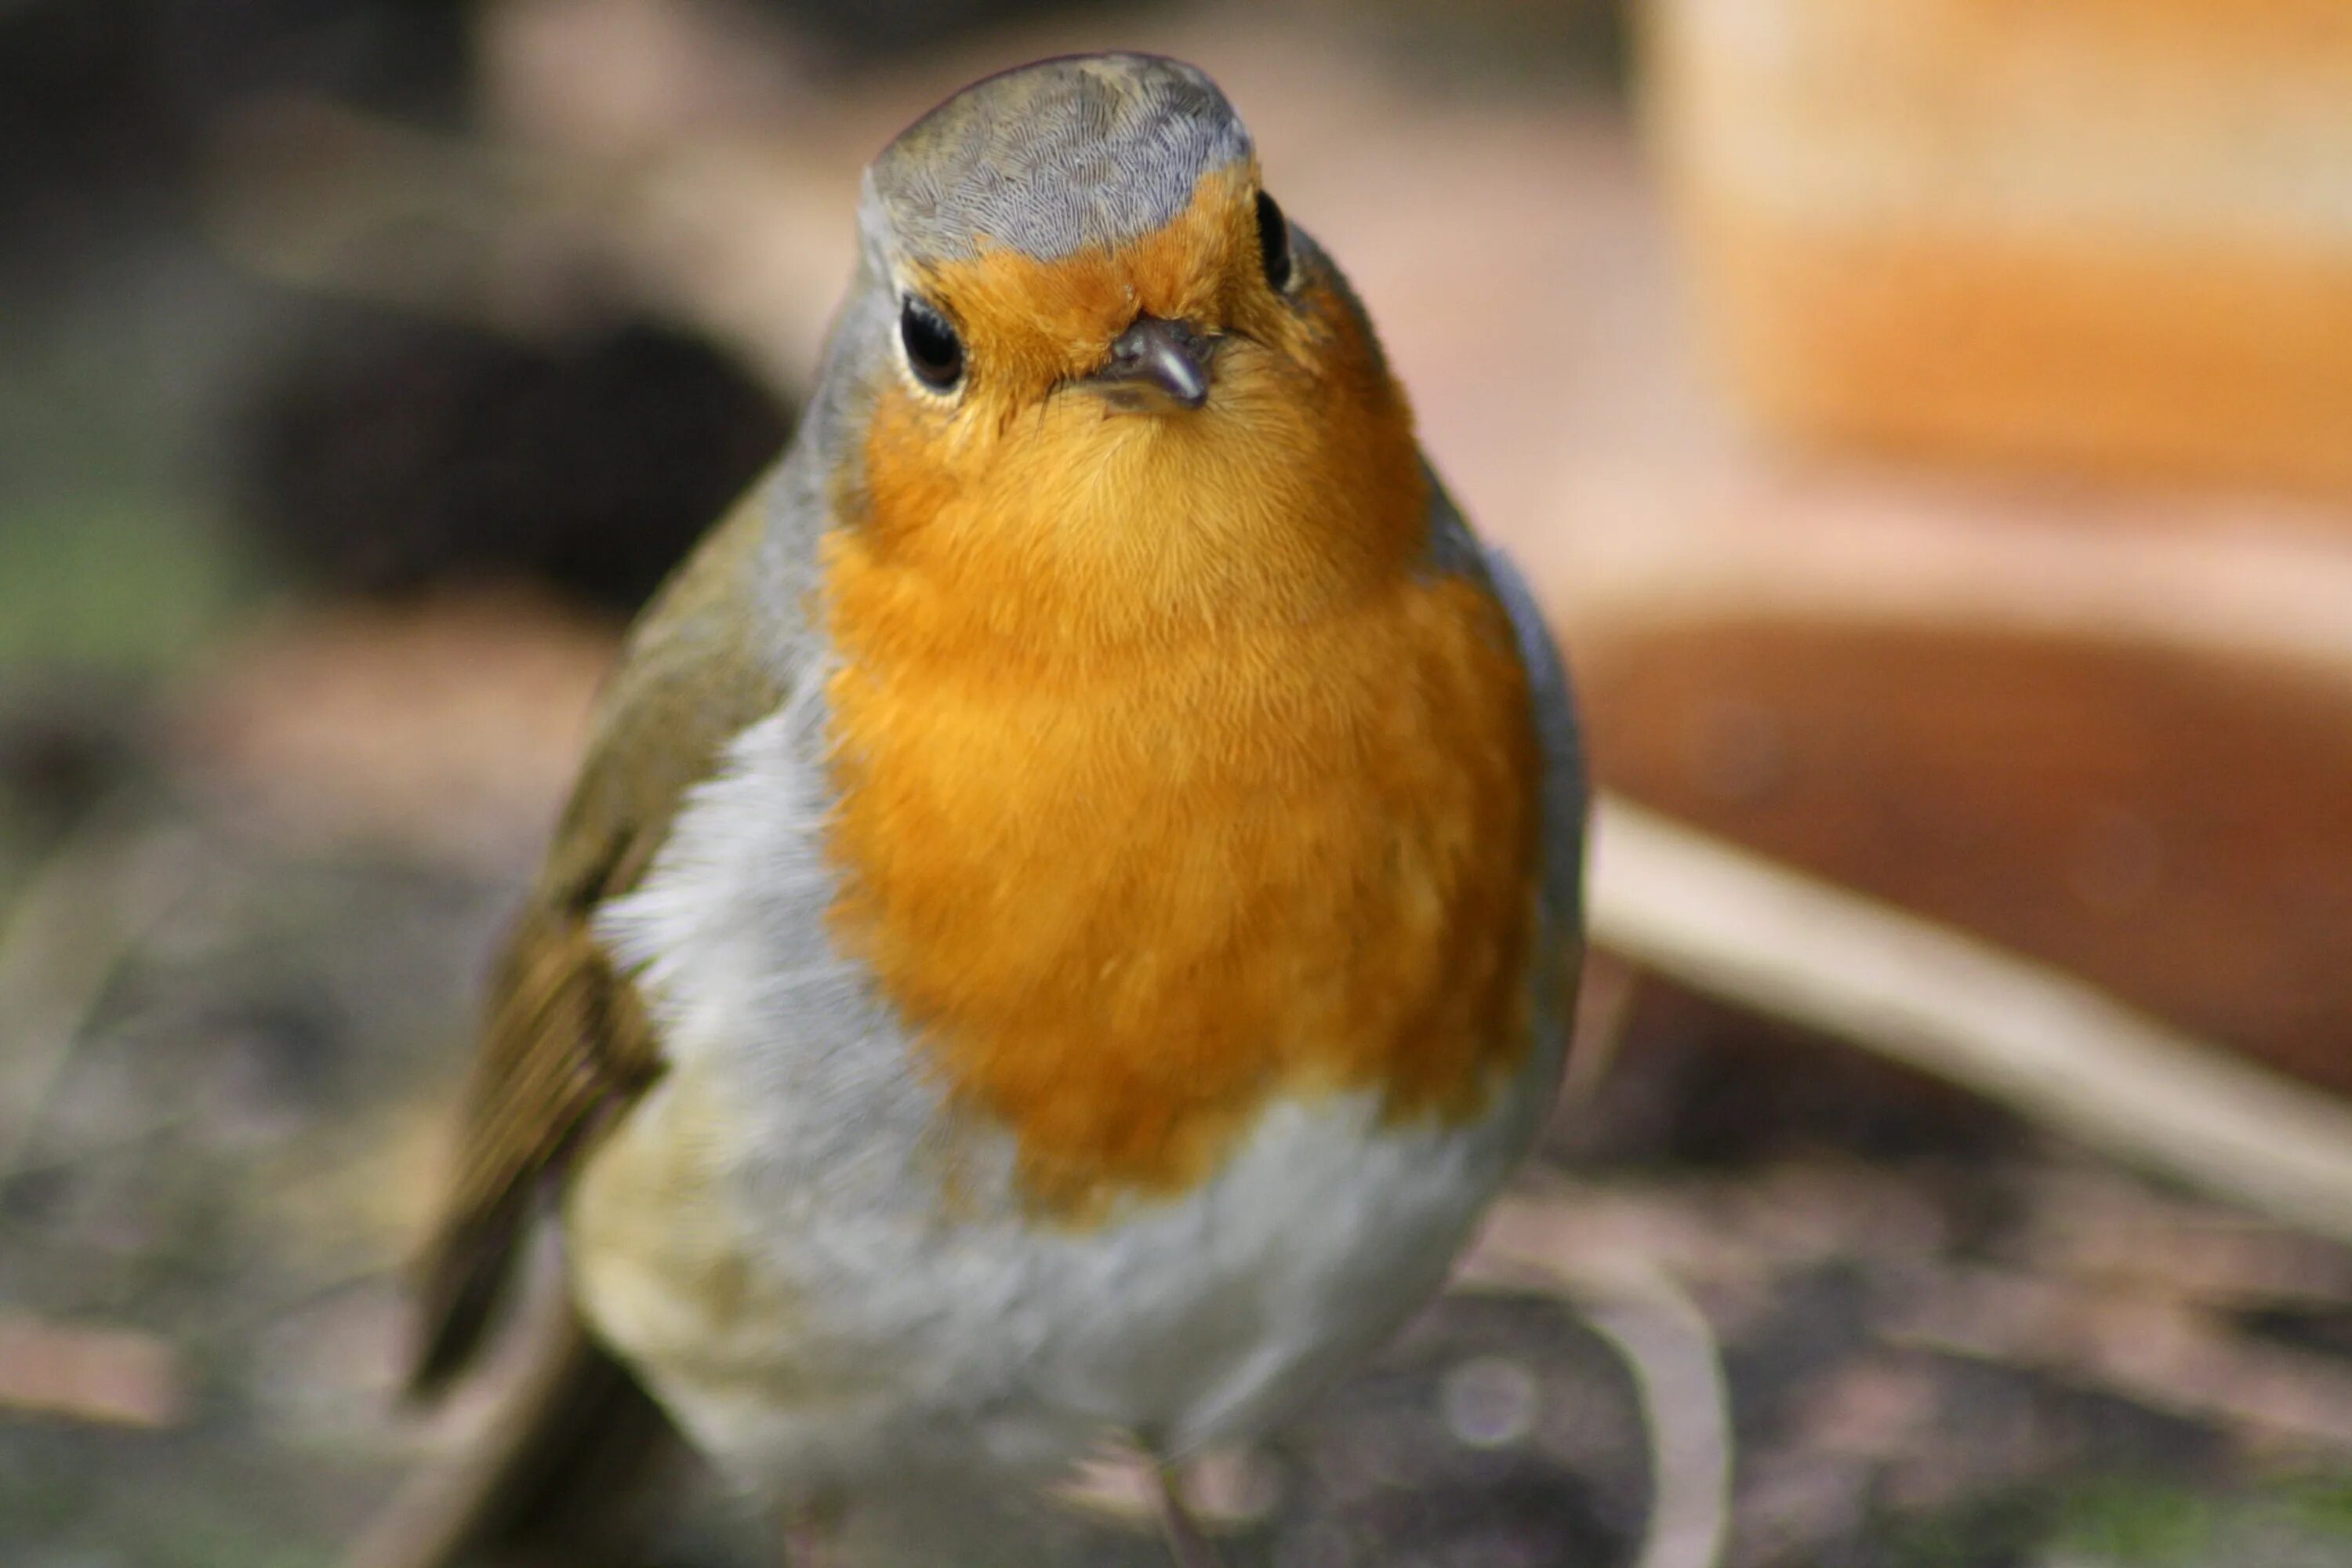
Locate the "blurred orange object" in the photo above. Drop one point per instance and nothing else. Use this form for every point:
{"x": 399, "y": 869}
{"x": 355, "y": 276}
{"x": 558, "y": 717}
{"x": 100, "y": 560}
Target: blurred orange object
{"x": 2103, "y": 234}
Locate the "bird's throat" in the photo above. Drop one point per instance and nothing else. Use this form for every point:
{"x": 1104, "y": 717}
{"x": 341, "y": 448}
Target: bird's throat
{"x": 1126, "y": 905}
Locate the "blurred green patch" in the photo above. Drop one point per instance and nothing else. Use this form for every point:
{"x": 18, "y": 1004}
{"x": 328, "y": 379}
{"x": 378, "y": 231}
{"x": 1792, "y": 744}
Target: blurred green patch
{"x": 1999, "y": 1529}
{"x": 2325, "y": 1505}
{"x": 2152, "y": 1525}
{"x": 123, "y": 580}
{"x": 2139, "y": 1523}
{"x": 119, "y": 383}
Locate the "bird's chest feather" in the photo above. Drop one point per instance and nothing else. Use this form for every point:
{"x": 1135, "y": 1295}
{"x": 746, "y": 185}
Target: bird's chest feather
{"x": 1123, "y": 901}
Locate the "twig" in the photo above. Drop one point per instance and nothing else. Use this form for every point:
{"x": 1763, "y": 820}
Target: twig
{"x": 1668, "y": 1347}
{"x": 1739, "y": 928}
{"x": 2163, "y": 1354}
{"x": 1604, "y": 1003}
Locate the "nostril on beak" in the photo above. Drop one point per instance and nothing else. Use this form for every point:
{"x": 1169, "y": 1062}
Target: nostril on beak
{"x": 1168, "y": 358}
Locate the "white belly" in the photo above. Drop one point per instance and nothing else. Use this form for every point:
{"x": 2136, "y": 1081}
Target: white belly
{"x": 869, "y": 1340}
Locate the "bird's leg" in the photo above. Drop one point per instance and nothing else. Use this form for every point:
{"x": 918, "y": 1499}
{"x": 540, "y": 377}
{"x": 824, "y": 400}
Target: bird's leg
{"x": 1186, "y": 1542}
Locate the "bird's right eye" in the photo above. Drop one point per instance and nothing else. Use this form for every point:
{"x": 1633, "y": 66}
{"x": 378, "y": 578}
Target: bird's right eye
{"x": 1274, "y": 242}
{"x": 934, "y": 352}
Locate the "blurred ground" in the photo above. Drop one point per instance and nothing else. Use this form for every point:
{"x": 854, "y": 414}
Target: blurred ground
{"x": 1948, "y": 1342}
{"x": 263, "y": 804}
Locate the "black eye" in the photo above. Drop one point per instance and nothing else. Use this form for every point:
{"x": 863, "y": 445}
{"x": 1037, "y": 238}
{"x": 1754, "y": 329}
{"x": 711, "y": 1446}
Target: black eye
{"x": 1273, "y": 241}
{"x": 933, "y": 351}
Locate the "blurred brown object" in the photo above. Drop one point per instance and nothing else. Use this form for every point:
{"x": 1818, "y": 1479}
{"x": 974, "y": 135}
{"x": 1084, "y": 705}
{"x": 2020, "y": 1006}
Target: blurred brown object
{"x": 2098, "y": 234}
{"x": 2117, "y": 736}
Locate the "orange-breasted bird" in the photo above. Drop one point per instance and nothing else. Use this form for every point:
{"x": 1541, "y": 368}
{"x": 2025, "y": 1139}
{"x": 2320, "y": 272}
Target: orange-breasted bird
{"x": 1072, "y": 909}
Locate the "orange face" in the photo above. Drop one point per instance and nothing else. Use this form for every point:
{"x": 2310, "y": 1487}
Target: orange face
{"x": 1171, "y": 776}
{"x": 1297, "y": 480}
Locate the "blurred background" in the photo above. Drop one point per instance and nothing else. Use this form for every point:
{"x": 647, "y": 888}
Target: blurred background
{"x": 1928, "y": 423}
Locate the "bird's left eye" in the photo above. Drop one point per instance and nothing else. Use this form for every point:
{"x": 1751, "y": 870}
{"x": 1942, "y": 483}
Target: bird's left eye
{"x": 1274, "y": 242}
{"x": 934, "y": 352}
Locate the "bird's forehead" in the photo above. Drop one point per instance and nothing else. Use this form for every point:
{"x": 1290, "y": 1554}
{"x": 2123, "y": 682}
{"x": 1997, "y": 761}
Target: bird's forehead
{"x": 1055, "y": 157}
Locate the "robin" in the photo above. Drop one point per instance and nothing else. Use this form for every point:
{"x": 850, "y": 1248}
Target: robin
{"x": 1072, "y": 908}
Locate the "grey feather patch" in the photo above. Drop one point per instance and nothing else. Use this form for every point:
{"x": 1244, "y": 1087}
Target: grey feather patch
{"x": 1051, "y": 158}
{"x": 1567, "y": 793}
{"x": 1454, "y": 551}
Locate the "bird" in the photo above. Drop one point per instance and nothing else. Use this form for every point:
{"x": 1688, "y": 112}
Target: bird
{"x": 1072, "y": 908}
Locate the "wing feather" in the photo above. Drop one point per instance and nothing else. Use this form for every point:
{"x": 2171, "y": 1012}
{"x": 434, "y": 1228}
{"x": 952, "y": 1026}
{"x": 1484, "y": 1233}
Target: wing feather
{"x": 567, "y": 1043}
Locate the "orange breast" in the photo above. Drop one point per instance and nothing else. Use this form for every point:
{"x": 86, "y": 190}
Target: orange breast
{"x": 1128, "y": 894}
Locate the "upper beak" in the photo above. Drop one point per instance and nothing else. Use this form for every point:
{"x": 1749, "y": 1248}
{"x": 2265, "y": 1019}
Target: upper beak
{"x": 1156, "y": 365}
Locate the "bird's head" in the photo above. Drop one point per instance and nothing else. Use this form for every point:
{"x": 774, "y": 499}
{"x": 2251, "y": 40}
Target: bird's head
{"x": 1086, "y": 347}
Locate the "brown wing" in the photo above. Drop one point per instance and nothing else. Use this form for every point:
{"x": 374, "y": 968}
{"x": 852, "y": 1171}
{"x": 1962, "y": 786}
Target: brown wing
{"x": 568, "y": 1044}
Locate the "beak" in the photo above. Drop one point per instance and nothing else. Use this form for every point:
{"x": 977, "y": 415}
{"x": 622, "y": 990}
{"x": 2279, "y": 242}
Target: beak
{"x": 1156, "y": 365}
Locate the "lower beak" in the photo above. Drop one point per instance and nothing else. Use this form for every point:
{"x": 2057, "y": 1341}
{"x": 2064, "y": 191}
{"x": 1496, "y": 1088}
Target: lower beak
{"x": 1156, "y": 365}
